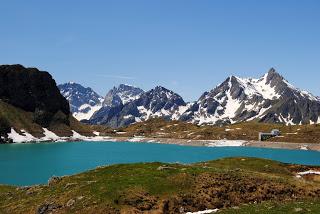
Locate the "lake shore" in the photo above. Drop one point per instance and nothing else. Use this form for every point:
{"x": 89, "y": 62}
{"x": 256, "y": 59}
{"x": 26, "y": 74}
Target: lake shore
{"x": 184, "y": 142}
{"x": 221, "y": 143}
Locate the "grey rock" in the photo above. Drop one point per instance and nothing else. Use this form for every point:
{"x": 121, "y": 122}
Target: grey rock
{"x": 48, "y": 208}
{"x": 70, "y": 203}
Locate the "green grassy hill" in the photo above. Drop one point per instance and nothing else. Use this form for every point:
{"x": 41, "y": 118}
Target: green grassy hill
{"x": 234, "y": 185}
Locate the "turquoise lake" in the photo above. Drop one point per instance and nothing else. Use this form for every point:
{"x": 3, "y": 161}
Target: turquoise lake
{"x": 27, "y": 164}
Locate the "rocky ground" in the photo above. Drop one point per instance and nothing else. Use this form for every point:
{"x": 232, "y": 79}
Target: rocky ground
{"x": 216, "y": 143}
{"x": 248, "y": 131}
{"x": 230, "y": 185}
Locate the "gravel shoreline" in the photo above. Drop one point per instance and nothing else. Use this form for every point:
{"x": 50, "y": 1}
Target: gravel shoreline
{"x": 210, "y": 143}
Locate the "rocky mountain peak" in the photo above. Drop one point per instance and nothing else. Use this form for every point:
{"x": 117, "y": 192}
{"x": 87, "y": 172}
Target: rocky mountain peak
{"x": 160, "y": 88}
{"x": 121, "y": 95}
{"x": 272, "y": 70}
{"x": 126, "y": 87}
{"x": 267, "y": 99}
{"x": 164, "y": 94}
{"x": 273, "y": 78}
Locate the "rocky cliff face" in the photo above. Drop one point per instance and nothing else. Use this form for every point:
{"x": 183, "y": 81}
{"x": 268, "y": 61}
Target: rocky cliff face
{"x": 33, "y": 91}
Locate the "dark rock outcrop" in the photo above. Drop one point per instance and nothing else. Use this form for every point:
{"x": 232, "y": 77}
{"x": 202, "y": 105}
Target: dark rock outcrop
{"x": 33, "y": 91}
{"x": 4, "y": 129}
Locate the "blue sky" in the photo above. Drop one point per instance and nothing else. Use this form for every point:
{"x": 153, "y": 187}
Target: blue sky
{"x": 187, "y": 46}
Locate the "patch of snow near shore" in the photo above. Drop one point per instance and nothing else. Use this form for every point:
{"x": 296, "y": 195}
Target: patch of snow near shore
{"x": 292, "y": 133}
{"x": 96, "y": 133}
{"x": 98, "y": 138}
{"x": 121, "y": 132}
{"x": 49, "y": 135}
{"x": 304, "y": 147}
{"x": 204, "y": 212}
{"x": 77, "y": 136}
{"x": 136, "y": 139}
{"x": 309, "y": 172}
{"x": 25, "y": 137}
{"x": 225, "y": 143}
{"x": 17, "y": 138}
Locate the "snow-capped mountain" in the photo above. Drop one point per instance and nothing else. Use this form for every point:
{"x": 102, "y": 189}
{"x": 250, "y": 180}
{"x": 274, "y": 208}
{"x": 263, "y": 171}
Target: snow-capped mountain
{"x": 270, "y": 98}
{"x": 84, "y": 102}
{"x": 122, "y": 95}
{"x": 267, "y": 99}
{"x": 158, "y": 102}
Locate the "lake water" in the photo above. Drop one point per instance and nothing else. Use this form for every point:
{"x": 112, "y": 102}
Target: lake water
{"x": 27, "y": 164}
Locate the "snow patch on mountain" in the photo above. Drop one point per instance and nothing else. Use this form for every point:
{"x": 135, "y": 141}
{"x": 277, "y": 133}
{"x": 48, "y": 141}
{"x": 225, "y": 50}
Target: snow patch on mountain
{"x": 258, "y": 87}
{"x": 286, "y": 120}
{"x": 232, "y": 105}
{"x": 49, "y": 135}
{"x": 180, "y": 111}
{"x": 88, "y": 111}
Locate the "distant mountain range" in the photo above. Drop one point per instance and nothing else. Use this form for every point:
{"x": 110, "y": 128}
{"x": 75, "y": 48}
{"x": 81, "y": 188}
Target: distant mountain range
{"x": 267, "y": 99}
{"x": 86, "y": 103}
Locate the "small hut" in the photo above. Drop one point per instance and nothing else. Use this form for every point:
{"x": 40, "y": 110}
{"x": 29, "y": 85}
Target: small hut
{"x": 265, "y": 136}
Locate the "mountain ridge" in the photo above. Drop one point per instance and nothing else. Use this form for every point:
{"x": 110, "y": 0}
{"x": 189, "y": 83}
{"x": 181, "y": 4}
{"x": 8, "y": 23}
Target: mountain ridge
{"x": 155, "y": 102}
{"x": 270, "y": 98}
